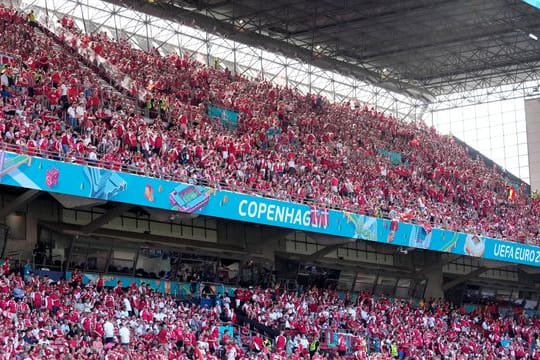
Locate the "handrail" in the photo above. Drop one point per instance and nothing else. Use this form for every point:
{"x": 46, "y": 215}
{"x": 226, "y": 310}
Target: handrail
{"x": 121, "y": 167}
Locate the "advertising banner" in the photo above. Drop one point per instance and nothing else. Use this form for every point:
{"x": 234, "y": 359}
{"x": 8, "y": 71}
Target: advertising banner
{"x": 98, "y": 183}
{"x": 228, "y": 118}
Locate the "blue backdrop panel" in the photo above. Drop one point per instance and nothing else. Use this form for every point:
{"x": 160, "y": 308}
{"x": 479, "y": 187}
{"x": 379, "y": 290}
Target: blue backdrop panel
{"x": 93, "y": 182}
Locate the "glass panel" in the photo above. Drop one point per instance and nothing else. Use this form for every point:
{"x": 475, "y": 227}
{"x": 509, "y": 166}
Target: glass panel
{"x": 123, "y": 257}
{"x": 51, "y": 250}
{"x": 402, "y": 292}
{"x": 153, "y": 263}
{"x": 419, "y": 289}
{"x": 385, "y": 285}
{"x": 404, "y": 283}
{"x": 364, "y": 282}
{"x": 79, "y": 253}
{"x": 97, "y": 254}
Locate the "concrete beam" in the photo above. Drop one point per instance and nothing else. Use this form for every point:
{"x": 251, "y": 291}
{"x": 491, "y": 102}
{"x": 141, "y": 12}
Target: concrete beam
{"x": 105, "y": 218}
{"x": 73, "y": 202}
{"x": 463, "y": 278}
{"x": 327, "y": 250}
{"x": 265, "y": 245}
{"x": 531, "y": 270}
{"x": 149, "y": 239}
{"x": 493, "y": 264}
{"x": 323, "y": 239}
{"x": 275, "y": 234}
{"x": 18, "y": 202}
{"x": 439, "y": 264}
{"x": 350, "y": 265}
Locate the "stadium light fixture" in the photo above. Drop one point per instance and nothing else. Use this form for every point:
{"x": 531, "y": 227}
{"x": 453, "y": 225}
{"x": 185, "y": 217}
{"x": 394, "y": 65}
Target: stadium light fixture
{"x": 532, "y": 36}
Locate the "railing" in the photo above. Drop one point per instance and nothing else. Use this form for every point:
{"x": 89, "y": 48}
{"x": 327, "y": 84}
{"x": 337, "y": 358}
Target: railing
{"x": 118, "y": 166}
{"x": 218, "y": 185}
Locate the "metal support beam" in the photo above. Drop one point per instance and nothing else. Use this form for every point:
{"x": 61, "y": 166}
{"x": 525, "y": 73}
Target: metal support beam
{"x": 461, "y": 279}
{"x": 105, "y": 218}
{"x": 110, "y": 254}
{"x": 255, "y": 37}
{"x": 18, "y": 202}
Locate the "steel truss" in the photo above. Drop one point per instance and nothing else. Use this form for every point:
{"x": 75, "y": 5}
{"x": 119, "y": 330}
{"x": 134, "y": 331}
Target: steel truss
{"x": 454, "y": 88}
{"x": 146, "y": 31}
{"x": 421, "y": 48}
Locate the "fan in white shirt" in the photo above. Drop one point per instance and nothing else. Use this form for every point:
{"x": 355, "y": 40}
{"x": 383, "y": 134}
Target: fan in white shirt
{"x": 124, "y": 335}
{"x": 108, "y": 330}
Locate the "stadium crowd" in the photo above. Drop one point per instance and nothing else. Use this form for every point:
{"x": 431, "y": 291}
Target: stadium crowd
{"x": 287, "y": 145}
{"x": 46, "y": 319}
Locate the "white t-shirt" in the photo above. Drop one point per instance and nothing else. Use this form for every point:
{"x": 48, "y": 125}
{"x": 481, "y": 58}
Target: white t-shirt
{"x": 92, "y": 155}
{"x": 124, "y": 335}
{"x": 127, "y": 305}
{"x": 4, "y": 80}
{"x": 71, "y": 111}
{"x": 231, "y": 354}
{"x": 79, "y": 111}
{"x": 108, "y": 329}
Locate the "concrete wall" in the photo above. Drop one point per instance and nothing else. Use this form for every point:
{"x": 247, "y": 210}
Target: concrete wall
{"x": 532, "y": 116}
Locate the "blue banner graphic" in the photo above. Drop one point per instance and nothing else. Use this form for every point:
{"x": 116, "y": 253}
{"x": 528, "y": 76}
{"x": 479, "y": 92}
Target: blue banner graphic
{"x": 92, "y": 182}
{"x": 394, "y": 157}
{"x": 228, "y": 118}
{"x": 175, "y": 288}
{"x": 161, "y": 286}
{"x": 534, "y": 3}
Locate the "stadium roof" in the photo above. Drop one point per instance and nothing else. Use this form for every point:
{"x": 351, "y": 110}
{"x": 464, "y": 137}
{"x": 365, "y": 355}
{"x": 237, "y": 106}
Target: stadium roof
{"x": 423, "y": 48}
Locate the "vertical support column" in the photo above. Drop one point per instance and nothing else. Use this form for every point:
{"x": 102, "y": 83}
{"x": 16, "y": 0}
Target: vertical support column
{"x": 286, "y": 74}
{"x": 70, "y": 252}
{"x": 353, "y": 283}
{"x": 434, "y": 275}
{"x": 235, "y": 63}
{"x": 146, "y": 23}
{"x": 532, "y": 116}
{"x": 376, "y": 283}
{"x": 109, "y": 258}
{"x": 179, "y": 41}
{"x": 263, "y": 76}
{"x": 83, "y": 18}
{"x": 208, "y": 50}
{"x": 333, "y": 82}
{"x": 115, "y": 24}
{"x": 136, "y": 260}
